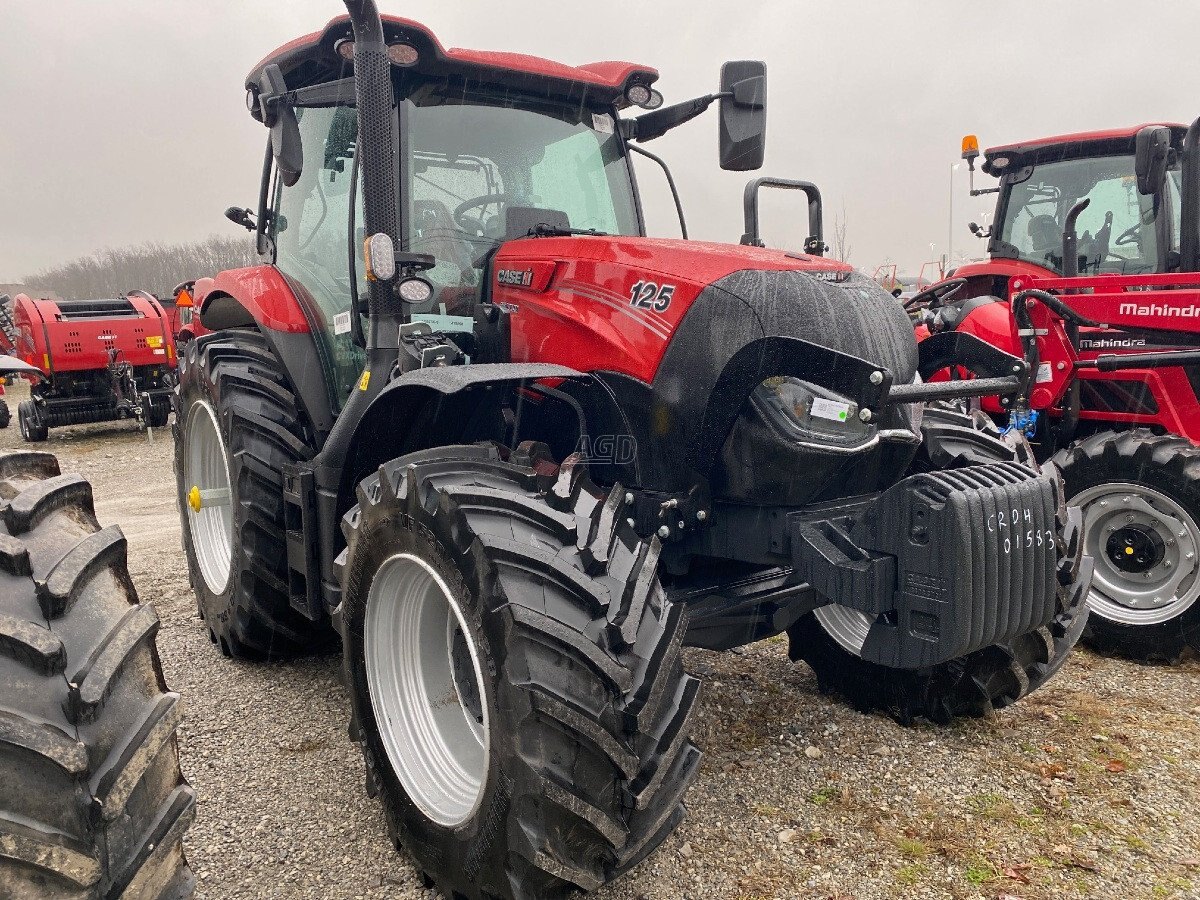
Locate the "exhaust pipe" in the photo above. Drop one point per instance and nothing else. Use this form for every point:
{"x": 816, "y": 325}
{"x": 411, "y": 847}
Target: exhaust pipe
{"x": 377, "y": 142}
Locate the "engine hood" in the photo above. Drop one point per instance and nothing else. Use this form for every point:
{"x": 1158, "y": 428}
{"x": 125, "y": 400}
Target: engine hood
{"x": 699, "y": 262}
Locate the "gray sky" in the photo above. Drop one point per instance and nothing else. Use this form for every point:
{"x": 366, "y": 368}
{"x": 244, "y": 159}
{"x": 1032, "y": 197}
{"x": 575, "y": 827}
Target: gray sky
{"x": 124, "y": 121}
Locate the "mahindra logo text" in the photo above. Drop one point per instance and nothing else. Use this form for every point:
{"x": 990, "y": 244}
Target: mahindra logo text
{"x": 1160, "y": 309}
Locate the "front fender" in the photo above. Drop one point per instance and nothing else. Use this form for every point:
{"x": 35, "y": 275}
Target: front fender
{"x": 255, "y": 295}
{"x": 435, "y": 407}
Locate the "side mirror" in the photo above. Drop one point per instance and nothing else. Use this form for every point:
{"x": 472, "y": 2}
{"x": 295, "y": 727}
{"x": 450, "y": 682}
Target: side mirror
{"x": 1152, "y": 147}
{"x": 285, "y": 127}
{"x": 239, "y": 216}
{"x": 743, "y": 128}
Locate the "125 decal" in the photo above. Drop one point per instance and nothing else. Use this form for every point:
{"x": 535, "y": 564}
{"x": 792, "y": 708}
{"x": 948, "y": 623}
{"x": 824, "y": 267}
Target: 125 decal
{"x": 648, "y": 295}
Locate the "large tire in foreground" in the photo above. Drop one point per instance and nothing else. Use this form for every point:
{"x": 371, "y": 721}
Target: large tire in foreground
{"x": 1139, "y": 494}
{"x": 236, "y": 427}
{"x": 975, "y": 684}
{"x": 92, "y": 803}
{"x": 519, "y": 603}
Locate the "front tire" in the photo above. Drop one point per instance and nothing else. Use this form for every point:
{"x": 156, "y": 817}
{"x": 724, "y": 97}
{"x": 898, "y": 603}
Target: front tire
{"x": 236, "y": 427}
{"x": 92, "y": 803}
{"x": 830, "y": 638}
{"x": 1139, "y": 494}
{"x": 536, "y": 623}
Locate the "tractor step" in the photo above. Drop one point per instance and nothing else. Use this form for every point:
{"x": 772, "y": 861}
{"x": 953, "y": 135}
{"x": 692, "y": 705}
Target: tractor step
{"x": 300, "y": 523}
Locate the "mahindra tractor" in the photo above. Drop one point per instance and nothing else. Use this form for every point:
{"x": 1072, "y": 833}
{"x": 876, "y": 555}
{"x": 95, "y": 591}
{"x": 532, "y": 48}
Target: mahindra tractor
{"x": 1092, "y": 278}
{"x": 467, "y": 417}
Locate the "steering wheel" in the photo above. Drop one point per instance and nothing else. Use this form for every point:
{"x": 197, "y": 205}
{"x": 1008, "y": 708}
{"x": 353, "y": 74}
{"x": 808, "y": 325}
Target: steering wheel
{"x": 483, "y": 201}
{"x": 1129, "y": 236}
{"x": 935, "y": 295}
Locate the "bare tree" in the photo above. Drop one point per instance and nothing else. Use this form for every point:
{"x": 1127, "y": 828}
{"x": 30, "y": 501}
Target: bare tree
{"x": 841, "y": 249}
{"x": 151, "y": 266}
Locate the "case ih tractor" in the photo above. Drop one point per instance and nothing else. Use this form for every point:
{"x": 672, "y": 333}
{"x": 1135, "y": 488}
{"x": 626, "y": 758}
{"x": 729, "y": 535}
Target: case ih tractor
{"x": 516, "y": 454}
{"x": 98, "y": 360}
{"x": 1092, "y": 277}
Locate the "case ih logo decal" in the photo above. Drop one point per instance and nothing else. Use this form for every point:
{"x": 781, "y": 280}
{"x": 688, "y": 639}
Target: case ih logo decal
{"x": 1160, "y": 309}
{"x": 515, "y": 277}
{"x": 828, "y": 275}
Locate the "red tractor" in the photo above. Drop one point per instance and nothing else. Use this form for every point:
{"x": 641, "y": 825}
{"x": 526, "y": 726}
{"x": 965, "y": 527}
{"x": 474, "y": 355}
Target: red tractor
{"x": 1092, "y": 278}
{"x": 466, "y": 417}
{"x": 99, "y": 360}
{"x": 185, "y": 324}
{"x": 8, "y": 337}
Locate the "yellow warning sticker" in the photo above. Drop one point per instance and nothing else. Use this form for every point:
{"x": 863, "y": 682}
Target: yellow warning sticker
{"x": 154, "y": 340}
{"x": 364, "y": 381}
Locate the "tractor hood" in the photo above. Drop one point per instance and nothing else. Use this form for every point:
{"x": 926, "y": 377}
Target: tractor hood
{"x": 682, "y": 331}
{"x": 629, "y": 299}
{"x": 696, "y": 261}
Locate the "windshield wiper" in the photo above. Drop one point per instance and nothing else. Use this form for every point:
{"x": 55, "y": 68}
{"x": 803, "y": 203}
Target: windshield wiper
{"x": 544, "y": 230}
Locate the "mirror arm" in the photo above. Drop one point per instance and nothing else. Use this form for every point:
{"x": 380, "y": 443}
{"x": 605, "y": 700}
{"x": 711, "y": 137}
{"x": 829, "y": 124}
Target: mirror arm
{"x": 657, "y": 123}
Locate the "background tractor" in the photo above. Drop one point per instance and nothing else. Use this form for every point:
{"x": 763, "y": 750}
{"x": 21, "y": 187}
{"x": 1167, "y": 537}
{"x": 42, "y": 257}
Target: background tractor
{"x": 467, "y": 417}
{"x": 1091, "y": 277}
{"x": 97, "y": 361}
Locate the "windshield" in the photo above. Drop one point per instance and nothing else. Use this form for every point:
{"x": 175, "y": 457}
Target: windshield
{"x": 470, "y": 156}
{"x": 477, "y": 154}
{"x": 1116, "y": 232}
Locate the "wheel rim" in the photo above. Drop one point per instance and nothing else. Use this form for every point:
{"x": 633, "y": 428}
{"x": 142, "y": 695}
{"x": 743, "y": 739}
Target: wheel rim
{"x": 426, "y": 686}
{"x": 1145, "y": 547}
{"x": 848, "y": 627}
{"x": 208, "y": 496}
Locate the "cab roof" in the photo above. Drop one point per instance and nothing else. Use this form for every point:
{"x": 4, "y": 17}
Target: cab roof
{"x": 312, "y": 59}
{"x": 1069, "y": 146}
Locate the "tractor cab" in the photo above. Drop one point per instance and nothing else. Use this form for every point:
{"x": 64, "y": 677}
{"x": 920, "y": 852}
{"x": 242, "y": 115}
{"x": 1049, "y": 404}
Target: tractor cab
{"x": 494, "y": 147}
{"x": 1130, "y": 224}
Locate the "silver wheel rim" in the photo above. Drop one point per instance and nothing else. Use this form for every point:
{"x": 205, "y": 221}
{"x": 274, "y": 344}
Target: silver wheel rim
{"x": 426, "y": 686}
{"x": 848, "y": 627}
{"x": 1165, "y": 589}
{"x": 206, "y": 477}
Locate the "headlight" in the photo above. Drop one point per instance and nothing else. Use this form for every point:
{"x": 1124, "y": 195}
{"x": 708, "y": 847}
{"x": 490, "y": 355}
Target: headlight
{"x": 811, "y": 412}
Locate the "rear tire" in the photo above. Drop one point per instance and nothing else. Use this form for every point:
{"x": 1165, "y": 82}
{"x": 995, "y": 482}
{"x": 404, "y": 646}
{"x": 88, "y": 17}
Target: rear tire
{"x": 235, "y": 399}
{"x": 5, "y": 414}
{"x": 1139, "y": 491}
{"x": 975, "y": 684}
{"x": 92, "y": 803}
{"x": 580, "y": 703}
{"x": 33, "y": 429}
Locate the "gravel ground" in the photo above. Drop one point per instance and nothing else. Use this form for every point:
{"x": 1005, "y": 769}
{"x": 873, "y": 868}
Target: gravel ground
{"x": 1086, "y": 789}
